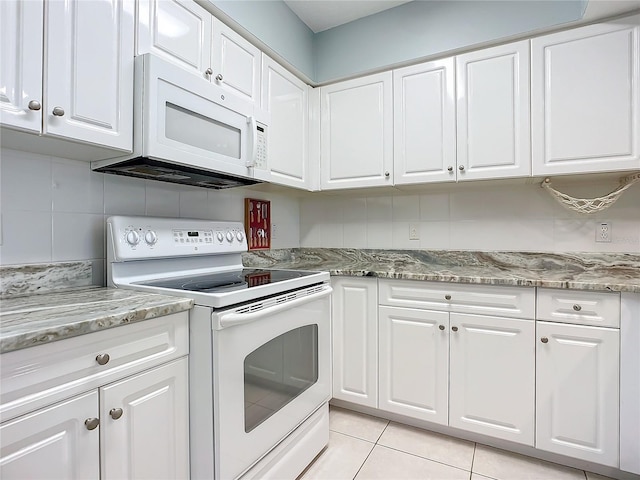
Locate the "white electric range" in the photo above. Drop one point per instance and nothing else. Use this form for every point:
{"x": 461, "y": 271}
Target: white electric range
{"x": 259, "y": 362}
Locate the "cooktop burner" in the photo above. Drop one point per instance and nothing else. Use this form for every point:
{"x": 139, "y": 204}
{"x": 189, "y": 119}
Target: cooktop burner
{"x": 227, "y": 281}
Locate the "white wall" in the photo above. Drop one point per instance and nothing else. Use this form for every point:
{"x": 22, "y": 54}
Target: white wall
{"x": 472, "y": 217}
{"x": 54, "y": 209}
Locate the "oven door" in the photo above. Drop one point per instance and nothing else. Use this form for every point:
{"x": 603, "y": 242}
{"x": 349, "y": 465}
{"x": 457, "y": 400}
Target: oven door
{"x": 271, "y": 371}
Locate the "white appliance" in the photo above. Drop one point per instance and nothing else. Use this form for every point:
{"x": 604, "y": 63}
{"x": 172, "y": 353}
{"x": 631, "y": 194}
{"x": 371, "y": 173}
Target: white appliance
{"x": 188, "y": 130}
{"x": 259, "y": 355}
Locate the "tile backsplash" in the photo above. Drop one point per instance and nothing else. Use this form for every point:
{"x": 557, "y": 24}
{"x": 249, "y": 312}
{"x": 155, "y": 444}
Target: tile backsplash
{"x": 54, "y": 209}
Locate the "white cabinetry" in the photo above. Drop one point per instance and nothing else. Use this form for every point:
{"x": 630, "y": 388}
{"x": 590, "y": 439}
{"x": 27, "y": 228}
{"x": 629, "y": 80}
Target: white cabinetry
{"x": 111, "y": 405}
{"x": 74, "y": 82}
{"x": 424, "y": 127}
{"x": 285, "y": 97}
{"x": 577, "y": 386}
{"x": 586, "y": 99}
{"x": 357, "y": 133}
{"x": 493, "y": 116}
{"x": 354, "y": 315}
{"x": 187, "y": 34}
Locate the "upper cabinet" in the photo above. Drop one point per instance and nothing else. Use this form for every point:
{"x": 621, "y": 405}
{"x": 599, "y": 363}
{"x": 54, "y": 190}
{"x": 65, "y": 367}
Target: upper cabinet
{"x": 586, "y": 99}
{"x": 424, "y": 124}
{"x": 493, "y": 113}
{"x": 285, "y": 97}
{"x": 357, "y": 133}
{"x": 185, "y": 33}
{"x": 75, "y": 80}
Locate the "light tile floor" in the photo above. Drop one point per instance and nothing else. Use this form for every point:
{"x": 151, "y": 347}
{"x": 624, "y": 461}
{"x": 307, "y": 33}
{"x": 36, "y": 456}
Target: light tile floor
{"x": 365, "y": 447}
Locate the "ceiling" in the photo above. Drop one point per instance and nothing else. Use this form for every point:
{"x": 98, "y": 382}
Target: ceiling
{"x": 320, "y": 15}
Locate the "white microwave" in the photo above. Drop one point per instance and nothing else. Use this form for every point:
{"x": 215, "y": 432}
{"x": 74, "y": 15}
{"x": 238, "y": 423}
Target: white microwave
{"x": 188, "y": 130}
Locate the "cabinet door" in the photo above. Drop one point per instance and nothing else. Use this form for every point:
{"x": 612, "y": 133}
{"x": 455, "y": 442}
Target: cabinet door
{"x": 493, "y": 112}
{"x": 424, "y": 126}
{"x": 236, "y": 63}
{"x": 52, "y": 442}
{"x": 586, "y": 99}
{"x": 414, "y": 363}
{"x": 354, "y": 316}
{"x": 285, "y": 97}
{"x": 577, "y": 381}
{"x": 357, "y": 133}
{"x": 177, "y": 30}
{"x": 88, "y": 86}
{"x": 492, "y": 376}
{"x": 150, "y": 438}
{"x": 21, "y": 27}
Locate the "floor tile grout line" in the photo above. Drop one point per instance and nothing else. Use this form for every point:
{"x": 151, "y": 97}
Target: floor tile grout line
{"x": 365, "y": 461}
{"x": 423, "y": 458}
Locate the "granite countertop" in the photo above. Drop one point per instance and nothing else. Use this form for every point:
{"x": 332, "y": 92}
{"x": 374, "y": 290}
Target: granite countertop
{"x": 580, "y": 271}
{"x": 30, "y": 320}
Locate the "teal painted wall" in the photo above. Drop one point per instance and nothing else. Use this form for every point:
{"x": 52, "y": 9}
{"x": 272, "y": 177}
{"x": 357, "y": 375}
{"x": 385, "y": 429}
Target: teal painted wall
{"x": 402, "y": 34}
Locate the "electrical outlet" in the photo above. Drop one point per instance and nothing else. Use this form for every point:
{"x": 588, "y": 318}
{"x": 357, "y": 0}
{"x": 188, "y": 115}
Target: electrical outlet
{"x": 274, "y": 231}
{"x": 603, "y": 232}
{"x": 414, "y": 231}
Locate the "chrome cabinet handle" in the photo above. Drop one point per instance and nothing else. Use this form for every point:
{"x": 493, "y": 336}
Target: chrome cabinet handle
{"x": 115, "y": 413}
{"x": 58, "y": 111}
{"x": 544, "y": 340}
{"x": 34, "y": 105}
{"x": 455, "y": 329}
{"x": 387, "y": 174}
{"x": 208, "y": 71}
{"x": 577, "y": 307}
{"x": 103, "y": 359}
{"x": 447, "y": 297}
{"x": 441, "y": 327}
{"x": 461, "y": 168}
{"x": 219, "y": 77}
{"x": 450, "y": 168}
{"x": 91, "y": 423}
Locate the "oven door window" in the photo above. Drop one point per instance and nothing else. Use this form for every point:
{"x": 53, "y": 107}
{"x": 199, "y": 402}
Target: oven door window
{"x": 277, "y": 372}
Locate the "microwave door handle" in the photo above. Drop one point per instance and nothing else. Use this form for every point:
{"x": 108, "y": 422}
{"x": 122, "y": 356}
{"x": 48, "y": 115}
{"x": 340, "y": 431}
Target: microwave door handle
{"x": 232, "y": 319}
{"x": 253, "y": 141}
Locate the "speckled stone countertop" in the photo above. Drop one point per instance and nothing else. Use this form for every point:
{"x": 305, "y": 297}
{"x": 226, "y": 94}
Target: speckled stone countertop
{"x": 30, "y": 320}
{"x": 580, "y": 271}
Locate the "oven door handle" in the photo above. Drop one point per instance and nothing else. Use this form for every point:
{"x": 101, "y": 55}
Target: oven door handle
{"x": 232, "y": 319}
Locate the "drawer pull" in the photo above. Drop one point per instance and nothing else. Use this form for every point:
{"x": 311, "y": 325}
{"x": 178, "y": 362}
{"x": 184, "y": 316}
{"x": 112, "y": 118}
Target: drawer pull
{"x": 115, "y": 413}
{"x": 544, "y": 340}
{"x": 441, "y": 327}
{"x": 577, "y": 307}
{"x": 92, "y": 423}
{"x": 455, "y": 329}
{"x": 103, "y": 359}
{"x": 447, "y": 297}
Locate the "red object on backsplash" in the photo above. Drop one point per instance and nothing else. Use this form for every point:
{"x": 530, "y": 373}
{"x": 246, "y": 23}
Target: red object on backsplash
{"x": 257, "y": 223}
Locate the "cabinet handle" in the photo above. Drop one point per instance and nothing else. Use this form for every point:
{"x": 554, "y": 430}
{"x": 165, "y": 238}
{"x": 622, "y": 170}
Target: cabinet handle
{"x": 58, "y": 111}
{"x": 115, "y": 413}
{"x": 103, "y": 359}
{"x": 455, "y": 329}
{"x": 208, "y": 71}
{"x": 461, "y": 168}
{"x": 387, "y": 174}
{"x": 447, "y": 297}
{"x": 92, "y": 423}
{"x": 34, "y": 105}
{"x": 577, "y": 307}
{"x": 450, "y": 168}
{"x": 441, "y": 327}
{"x": 544, "y": 340}
{"x": 219, "y": 77}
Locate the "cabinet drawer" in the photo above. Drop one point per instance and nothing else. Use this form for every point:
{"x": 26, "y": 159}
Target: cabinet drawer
{"x": 41, "y": 375}
{"x": 514, "y": 302}
{"x": 582, "y": 307}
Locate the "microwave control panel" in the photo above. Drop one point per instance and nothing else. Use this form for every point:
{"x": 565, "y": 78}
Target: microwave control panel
{"x": 261, "y": 146}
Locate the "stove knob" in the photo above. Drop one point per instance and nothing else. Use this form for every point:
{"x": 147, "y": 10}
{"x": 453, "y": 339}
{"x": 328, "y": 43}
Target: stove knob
{"x": 150, "y": 237}
{"x": 239, "y": 235}
{"x": 229, "y": 237}
{"x": 220, "y": 236}
{"x": 132, "y": 237}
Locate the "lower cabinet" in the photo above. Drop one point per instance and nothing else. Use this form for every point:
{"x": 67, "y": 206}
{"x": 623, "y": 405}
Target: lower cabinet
{"x": 577, "y": 397}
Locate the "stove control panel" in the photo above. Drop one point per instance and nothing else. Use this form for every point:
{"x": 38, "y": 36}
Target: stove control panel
{"x": 134, "y": 238}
